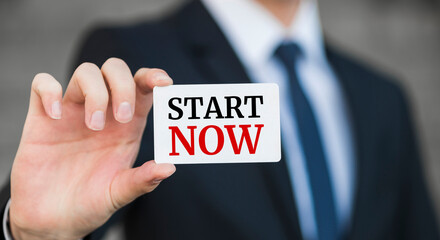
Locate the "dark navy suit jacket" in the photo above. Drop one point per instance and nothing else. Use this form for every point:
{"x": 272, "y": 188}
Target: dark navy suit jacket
{"x": 255, "y": 201}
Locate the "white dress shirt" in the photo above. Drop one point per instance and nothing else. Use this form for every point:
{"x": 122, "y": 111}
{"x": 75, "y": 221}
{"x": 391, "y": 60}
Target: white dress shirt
{"x": 254, "y": 34}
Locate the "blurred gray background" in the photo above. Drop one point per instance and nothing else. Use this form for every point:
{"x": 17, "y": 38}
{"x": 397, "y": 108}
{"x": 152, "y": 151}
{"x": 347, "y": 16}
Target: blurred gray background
{"x": 401, "y": 37}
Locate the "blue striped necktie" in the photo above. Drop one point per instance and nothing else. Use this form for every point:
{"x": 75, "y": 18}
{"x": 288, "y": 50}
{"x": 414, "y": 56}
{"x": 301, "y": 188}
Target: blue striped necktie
{"x": 311, "y": 142}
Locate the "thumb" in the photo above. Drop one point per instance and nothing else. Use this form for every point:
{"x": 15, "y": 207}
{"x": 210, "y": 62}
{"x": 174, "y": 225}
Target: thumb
{"x": 132, "y": 183}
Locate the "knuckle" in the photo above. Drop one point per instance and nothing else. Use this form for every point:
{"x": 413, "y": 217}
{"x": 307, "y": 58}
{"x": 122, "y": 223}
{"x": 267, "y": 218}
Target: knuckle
{"x": 86, "y": 69}
{"x": 40, "y": 77}
{"x": 88, "y": 66}
{"x": 114, "y": 62}
{"x": 85, "y": 73}
{"x": 44, "y": 82}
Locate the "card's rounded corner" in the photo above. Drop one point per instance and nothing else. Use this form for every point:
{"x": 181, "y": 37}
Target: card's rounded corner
{"x": 275, "y": 85}
{"x": 278, "y": 158}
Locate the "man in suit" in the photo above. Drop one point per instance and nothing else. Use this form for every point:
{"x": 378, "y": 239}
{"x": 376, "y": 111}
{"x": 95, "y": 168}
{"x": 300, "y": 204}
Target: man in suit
{"x": 350, "y": 166}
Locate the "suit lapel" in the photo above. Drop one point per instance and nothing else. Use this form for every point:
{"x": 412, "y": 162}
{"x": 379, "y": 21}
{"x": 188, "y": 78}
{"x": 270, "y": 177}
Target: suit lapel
{"x": 279, "y": 185}
{"x": 212, "y": 55}
{"x": 216, "y": 61}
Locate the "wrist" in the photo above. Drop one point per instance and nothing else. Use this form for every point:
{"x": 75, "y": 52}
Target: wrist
{"x": 20, "y": 233}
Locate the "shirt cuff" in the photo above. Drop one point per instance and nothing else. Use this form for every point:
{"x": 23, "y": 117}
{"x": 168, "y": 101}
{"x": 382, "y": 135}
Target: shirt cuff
{"x": 6, "y": 231}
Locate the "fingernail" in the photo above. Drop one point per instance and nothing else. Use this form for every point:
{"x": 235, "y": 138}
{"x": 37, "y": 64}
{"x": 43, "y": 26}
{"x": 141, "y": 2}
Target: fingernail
{"x": 97, "y": 121}
{"x": 163, "y": 77}
{"x": 124, "y": 113}
{"x": 56, "y": 110}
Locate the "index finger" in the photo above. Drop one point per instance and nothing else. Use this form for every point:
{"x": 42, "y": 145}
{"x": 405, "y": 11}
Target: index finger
{"x": 146, "y": 79}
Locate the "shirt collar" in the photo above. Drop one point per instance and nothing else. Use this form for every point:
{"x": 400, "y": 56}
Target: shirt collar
{"x": 254, "y": 32}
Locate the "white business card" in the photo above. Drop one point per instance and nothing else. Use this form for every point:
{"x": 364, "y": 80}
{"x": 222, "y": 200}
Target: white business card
{"x": 218, "y": 123}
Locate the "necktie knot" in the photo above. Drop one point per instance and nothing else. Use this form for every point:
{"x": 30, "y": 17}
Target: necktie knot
{"x": 288, "y": 53}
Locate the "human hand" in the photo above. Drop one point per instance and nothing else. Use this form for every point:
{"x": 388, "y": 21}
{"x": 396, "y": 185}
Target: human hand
{"x": 73, "y": 168}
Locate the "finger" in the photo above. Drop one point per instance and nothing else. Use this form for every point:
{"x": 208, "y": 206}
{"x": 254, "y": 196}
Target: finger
{"x": 122, "y": 88}
{"x": 87, "y": 86}
{"x": 46, "y": 96}
{"x": 146, "y": 79}
{"x": 132, "y": 183}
